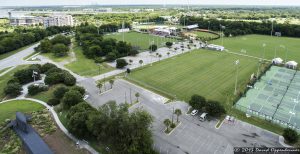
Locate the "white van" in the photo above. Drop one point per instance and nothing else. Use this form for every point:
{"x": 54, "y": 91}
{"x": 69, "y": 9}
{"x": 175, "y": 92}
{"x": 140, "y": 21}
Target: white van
{"x": 203, "y": 117}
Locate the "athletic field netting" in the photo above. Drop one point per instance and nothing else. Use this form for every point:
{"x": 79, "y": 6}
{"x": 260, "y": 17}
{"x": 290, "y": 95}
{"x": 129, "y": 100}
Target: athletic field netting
{"x": 275, "y": 97}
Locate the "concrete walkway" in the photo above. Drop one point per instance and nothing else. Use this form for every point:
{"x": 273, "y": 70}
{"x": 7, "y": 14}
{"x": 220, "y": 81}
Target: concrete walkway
{"x": 82, "y": 144}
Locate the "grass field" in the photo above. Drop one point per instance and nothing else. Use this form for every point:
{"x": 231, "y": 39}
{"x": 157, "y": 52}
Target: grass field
{"x": 140, "y": 39}
{"x": 207, "y": 73}
{"x": 253, "y": 45}
{"x": 8, "y": 109}
{"x": 205, "y": 34}
{"x": 86, "y": 67}
{"x": 4, "y": 79}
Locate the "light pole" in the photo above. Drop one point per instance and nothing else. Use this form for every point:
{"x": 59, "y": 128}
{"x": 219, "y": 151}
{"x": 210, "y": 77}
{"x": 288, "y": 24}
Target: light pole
{"x": 258, "y": 68}
{"x": 236, "y": 78}
{"x": 264, "y": 46}
{"x": 208, "y": 25}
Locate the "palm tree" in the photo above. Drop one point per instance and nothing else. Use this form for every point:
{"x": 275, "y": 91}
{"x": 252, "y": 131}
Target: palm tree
{"x": 99, "y": 85}
{"x": 178, "y": 113}
{"x": 111, "y": 83}
{"x": 168, "y": 53}
{"x": 137, "y": 95}
{"x": 141, "y": 62}
{"x": 167, "y": 122}
{"x": 159, "y": 56}
{"x": 130, "y": 61}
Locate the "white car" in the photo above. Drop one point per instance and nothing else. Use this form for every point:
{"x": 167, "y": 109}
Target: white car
{"x": 86, "y": 97}
{"x": 194, "y": 112}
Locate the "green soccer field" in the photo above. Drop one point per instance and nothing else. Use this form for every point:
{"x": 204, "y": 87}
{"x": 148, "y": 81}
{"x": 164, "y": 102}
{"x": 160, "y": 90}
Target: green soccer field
{"x": 253, "y": 45}
{"x": 140, "y": 39}
{"x": 207, "y": 73}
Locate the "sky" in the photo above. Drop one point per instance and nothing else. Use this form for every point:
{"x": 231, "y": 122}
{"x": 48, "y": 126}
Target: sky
{"x": 124, "y": 2}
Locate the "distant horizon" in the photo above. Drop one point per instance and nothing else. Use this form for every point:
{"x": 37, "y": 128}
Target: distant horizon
{"x": 45, "y": 3}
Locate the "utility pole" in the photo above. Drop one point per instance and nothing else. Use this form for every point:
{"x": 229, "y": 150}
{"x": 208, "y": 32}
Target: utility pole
{"x": 264, "y": 46}
{"x": 236, "y": 78}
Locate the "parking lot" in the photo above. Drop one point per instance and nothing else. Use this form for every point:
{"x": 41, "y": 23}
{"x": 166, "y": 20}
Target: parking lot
{"x": 191, "y": 136}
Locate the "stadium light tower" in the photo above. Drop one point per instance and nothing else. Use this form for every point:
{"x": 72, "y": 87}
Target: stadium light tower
{"x": 237, "y": 62}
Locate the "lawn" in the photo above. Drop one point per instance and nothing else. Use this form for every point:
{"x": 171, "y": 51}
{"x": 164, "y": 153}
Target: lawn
{"x": 86, "y": 67}
{"x": 5, "y": 78}
{"x": 205, "y": 34}
{"x": 207, "y": 73}
{"x": 253, "y": 45}
{"x": 45, "y": 95}
{"x": 140, "y": 39}
{"x": 8, "y": 109}
{"x": 5, "y": 69}
{"x": 55, "y": 58}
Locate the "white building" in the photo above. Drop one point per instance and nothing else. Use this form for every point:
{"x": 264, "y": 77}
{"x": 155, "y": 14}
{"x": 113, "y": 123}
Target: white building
{"x": 291, "y": 64}
{"x": 103, "y": 10}
{"x": 58, "y": 20}
{"x": 191, "y": 27}
{"x": 277, "y": 61}
{"x": 123, "y": 30}
{"x": 24, "y": 20}
{"x": 215, "y": 47}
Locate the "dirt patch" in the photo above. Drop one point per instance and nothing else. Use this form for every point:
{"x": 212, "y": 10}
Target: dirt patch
{"x": 61, "y": 144}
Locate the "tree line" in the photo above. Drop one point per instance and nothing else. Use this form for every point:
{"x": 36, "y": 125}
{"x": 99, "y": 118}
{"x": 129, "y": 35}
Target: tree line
{"x": 236, "y": 28}
{"x": 101, "y": 49}
{"x": 22, "y": 37}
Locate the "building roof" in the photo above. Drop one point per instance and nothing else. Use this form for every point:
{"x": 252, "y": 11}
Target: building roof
{"x": 278, "y": 60}
{"x": 292, "y": 63}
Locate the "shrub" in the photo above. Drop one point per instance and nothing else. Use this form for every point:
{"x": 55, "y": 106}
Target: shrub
{"x": 53, "y": 70}
{"x": 53, "y": 101}
{"x": 13, "y": 89}
{"x": 33, "y": 89}
{"x": 54, "y": 78}
{"x": 68, "y": 79}
{"x": 290, "y": 135}
{"x": 173, "y": 125}
{"x": 99, "y": 60}
{"x": 121, "y": 63}
{"x": 25, "y": 75}
{"x": 60, "y": 50}
{"x": 47, "y": 67}
{"x": 60, "y": 91}
{"x": 79, "y": 89}
{"x": 71, "y": 98}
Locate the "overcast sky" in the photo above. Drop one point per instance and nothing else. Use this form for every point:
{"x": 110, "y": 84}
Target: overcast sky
{"x": 122, "y": 2}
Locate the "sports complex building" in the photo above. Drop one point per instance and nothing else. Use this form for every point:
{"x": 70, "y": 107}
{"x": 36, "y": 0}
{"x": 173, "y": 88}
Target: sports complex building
{"x": 275, "y": 97}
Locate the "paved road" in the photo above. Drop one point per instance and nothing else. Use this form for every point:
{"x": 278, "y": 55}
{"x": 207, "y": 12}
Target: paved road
{"x": 17, "y": 59}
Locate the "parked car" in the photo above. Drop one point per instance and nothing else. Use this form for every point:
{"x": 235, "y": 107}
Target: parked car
{"x": 86, "y": 97}
{"x": 194, "y": 112}
{"x": 203, "y": 116}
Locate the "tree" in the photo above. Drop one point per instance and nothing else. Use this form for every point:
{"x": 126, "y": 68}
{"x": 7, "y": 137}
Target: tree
{"x": 13, "y": 89}
{"x": 71, "y": 98}
{"x": 197, "y": 102}
{"x": 60, "y": 91}
{"x": 121, "y": 63}
{"x": 137, "y": 95}
{"x": 290, "y": 135}
{"x": 168, "y": 53}
{"x": 169, "y": 44}
{"x": 46, "y": 46}
{"x": 33, "y": 89}
{"x": 47, "y": 67}
{"x": 111, "y": 56}
{"x": 77, "y": 117}
{"x": 111, "y": 82}
{"x": 215, "y": 109}
{"x": 79, "y": 89}
{"x": 167, "y": 123}
{"x": 53, "y": 101}
{"x": 128, "y": 70}
{"x": 68, "y": 79}
{"x": 60, "y": 50}
{"x": 99, "y": 85}
{"x": 153, "y": 47}
{"x": 130, "y": 61}
{"x": 53, "y": 78}
{"x": 61, "y": 39}
{"x": 178, "y": 113}
{"x": 141, "y": 62}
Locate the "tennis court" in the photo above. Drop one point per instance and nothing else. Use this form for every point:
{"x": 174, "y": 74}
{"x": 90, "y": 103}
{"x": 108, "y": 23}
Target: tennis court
{"x": 275, "y": 97}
